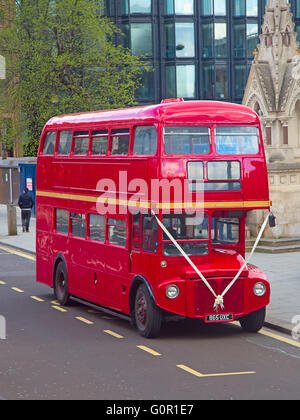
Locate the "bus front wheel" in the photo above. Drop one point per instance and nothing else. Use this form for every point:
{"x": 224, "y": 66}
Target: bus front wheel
{"x": 61, "y": 284}
{"x": 254, "y": 321}
{"x": 148, "y": 317}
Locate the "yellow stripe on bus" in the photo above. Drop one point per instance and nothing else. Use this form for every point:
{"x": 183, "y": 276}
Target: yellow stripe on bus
{"x": 161, "y": 206}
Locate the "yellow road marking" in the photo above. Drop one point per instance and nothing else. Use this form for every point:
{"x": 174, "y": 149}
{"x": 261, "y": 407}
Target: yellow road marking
{"x": 58, "y": 308}
{"x": 202, "y": 375}
{"x": 16, "y": 289}
{"x": 55, "y": 302}
{"x": 275, "y": 336}
{"x": 148, "y": 350}
{"x": 19, "y": 253}
{"x": 86, "y": 321}
{"x": 280, "y": 338}
{"x": 37, "y": 299}
{"x": 2, "y": 282}
{"x": 114, "y": 334}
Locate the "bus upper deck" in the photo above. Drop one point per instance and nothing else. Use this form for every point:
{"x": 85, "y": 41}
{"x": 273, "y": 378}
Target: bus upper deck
{"x": 214, "y": 149}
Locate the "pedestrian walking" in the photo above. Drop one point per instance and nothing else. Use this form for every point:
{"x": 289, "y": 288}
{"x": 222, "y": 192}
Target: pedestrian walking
{"x": 25, "y": 204}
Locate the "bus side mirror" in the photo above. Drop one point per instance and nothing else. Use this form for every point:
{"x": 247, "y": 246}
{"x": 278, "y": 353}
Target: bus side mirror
{"x": 272, "y": 221}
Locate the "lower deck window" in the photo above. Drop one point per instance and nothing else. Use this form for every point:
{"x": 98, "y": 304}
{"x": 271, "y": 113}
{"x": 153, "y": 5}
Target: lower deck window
{"x": 225, "y": 231}
{"x": 97, "y": 227}
{"x": 78, "y": 225}
{"x": 117, "y": 233}
{"x": 191, "y": 233}
{"x": 62, "y": 221}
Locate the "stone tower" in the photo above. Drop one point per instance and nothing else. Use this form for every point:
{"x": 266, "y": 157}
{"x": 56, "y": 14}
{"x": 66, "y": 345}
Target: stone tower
{"x": 273, "y": 91}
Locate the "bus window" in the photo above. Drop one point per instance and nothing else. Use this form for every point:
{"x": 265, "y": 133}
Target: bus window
{"x": 64, "y": 143}
{"x": 99, "y": 142}
{"x": 230, "y": 170}
{"x": 117, "y": 233}
{"x": 196, "y": 171}
{"x": 150, "y": 234}
{"x": 49, "y": 144}
{"x": 78, "y": 225}
{"x": 62, "y": 221}
{"x": 237, "y": 140}
{"x": 191, "y": 232}
{"x": 81, "y": 142}
{"x": 145, "y": 141}
{"x": 187, "y": 140}
{"x": 225, "y": 231}
{"x": 97, "y": 227}
{"x": 120, "y": 141}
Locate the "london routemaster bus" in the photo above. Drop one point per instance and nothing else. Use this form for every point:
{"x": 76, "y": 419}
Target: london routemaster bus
{"x": 141, "y": 212}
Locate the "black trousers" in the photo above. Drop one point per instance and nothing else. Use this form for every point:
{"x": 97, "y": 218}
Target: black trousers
{"x": 26, "y": 214}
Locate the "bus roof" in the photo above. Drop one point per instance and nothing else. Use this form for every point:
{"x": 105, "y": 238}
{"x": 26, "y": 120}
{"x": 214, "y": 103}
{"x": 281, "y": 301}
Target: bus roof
{"x": 170, "y": 111}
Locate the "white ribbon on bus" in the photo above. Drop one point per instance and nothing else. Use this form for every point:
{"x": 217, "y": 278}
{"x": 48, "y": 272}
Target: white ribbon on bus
{"x": 219, "y": 299}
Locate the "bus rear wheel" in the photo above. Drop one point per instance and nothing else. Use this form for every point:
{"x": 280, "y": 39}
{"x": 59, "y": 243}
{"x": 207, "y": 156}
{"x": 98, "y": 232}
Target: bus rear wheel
{"x": 254, "y": 321}
{"x": 148, "y": 316}
{"x": 61, "y": 284}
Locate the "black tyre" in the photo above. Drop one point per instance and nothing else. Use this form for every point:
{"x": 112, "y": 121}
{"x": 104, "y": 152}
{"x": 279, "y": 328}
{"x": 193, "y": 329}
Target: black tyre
{"x": 254, "y": 321}
{"x": 148, "y": 316}
{"x": 61, "y": 284}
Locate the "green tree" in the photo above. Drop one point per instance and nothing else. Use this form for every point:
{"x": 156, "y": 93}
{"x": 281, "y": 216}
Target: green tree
{"x": 67, "y": 62}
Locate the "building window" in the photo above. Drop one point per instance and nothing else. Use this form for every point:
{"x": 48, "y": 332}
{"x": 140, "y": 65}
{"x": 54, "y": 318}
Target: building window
{"x": 135, "y": 6}
{"x": 213, "y": 7}
{"x": 220, "y": 40}
{"x": 179, "y": 7}
{"x": 180, "y": 40}
{"x": 145, "y": 91}
{"x": 215, "y": 81}
{"x": 240, "y": 80}
{"x": 247, "y": 8}
{"x": 252, "y": 38}
{"x": 180, "y": 81}
{"x": 138, "y": 37}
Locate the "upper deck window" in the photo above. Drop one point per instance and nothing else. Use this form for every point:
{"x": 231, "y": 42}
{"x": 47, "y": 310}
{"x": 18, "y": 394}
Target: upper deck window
{"x": 120, "y": 141}
{"x": 145, "y": 141}
{"x": 65, "y": 142}
{"x": 187, "y": 140}
{"x": 49, "y": 144}
{"x": 99, "y": 142}
{"x": 81, "y": 142}
{"x": 237, "y": 140}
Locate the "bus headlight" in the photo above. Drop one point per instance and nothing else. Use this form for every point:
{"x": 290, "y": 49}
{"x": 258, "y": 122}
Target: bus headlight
{"x": 259, "y": 289}
{"x": 172, "y": 291}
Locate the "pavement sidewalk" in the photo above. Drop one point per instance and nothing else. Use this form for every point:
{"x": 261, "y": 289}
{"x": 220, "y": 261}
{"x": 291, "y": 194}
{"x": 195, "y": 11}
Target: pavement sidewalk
{"x": 283, "y": 271}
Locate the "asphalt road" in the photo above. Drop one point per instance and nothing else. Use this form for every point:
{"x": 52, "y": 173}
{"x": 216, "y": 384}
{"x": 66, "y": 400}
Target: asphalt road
{"x": 76, "y": 353}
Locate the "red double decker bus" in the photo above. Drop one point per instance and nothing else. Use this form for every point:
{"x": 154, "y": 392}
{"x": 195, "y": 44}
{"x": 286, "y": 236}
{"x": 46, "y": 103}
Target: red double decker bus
{"x": 141, "y": 212}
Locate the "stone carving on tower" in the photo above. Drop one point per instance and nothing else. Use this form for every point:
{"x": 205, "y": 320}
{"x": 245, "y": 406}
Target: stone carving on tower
{"x": 273, "y": 91}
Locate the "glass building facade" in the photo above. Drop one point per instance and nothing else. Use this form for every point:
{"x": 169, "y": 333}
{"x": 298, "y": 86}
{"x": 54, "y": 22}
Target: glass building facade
{"x": 199, "y": 49}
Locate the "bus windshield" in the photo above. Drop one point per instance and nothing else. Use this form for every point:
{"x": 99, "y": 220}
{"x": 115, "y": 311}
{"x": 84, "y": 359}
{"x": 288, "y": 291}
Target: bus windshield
{"x": 237, "y": 140}
{"x": 191, "y": 232}
{"x": 187, "y": 140}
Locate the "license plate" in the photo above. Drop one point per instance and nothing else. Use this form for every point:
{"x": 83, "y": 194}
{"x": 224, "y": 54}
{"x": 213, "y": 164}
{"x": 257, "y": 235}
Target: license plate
{"x": 219, "y": 318}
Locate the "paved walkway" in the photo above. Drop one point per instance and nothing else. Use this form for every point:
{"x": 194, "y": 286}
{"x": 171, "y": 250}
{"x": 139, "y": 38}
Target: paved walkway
{"x": 283, "y": 271}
